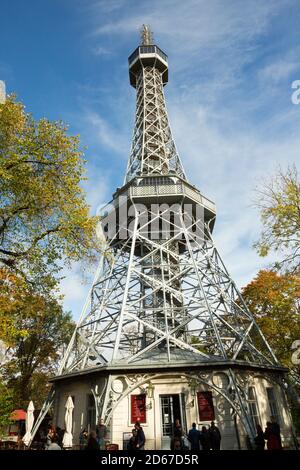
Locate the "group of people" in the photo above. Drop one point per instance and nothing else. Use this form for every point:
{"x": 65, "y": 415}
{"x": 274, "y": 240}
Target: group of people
{"x": 54, "y": 438}
{"x": 210, "y": 438}
{"x": 206, "y": 439}
{"x": 137, "y": 440}
{"x": 271, "y": 435}
{"x": 95, "y": 440}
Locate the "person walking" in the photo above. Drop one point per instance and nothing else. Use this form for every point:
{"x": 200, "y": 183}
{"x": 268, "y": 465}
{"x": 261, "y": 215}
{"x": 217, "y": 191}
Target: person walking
{"x": 194, "y": 438}
{"x": 215, "y": 436}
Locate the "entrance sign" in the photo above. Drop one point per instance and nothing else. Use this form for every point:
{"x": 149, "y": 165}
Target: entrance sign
{"x": 205, "y": 406}
{"x": 138, "y": 408}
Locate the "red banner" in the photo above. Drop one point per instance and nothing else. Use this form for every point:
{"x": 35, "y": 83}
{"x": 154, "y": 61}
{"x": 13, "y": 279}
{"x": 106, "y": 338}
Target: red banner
{"x": 138, "y": 408}
{"x": 205, "y": 406}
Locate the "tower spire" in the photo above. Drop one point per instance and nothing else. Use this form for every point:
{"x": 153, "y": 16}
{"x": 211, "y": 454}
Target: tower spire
{"x": 153, "y": 150}
{"x": 146, "y": 35}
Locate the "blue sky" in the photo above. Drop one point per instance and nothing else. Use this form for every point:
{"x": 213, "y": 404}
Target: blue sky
{"x": 232, "y": 63}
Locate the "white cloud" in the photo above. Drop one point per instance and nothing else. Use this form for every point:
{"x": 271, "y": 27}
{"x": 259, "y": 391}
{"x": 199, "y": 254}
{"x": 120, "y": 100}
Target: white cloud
{"x": 101, "y": 51}
{"x": 279, "y": 70}
{"x": 106, "y": 135}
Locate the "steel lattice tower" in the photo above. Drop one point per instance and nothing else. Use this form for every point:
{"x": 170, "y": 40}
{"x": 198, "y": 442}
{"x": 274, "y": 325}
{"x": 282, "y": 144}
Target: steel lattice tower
{"x": 162, "y": 295}
{"x": 162, "y": 288}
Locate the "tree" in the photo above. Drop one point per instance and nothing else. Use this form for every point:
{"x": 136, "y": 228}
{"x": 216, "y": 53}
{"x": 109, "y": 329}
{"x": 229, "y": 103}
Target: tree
{"x": 35, "y": 329}
{"x": 274, "y": 300}
{"x": 44, "y": 217}
{"x": 279, "y": 202}
{"x": 44, "y": 222}
{"x": 6, "y": 407}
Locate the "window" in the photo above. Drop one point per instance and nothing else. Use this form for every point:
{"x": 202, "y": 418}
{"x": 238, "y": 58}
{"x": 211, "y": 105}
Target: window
{"x": 253, "y": 408}
{"x": 154, "y": 181}
{"x": 272, "y": 404}
{"x": 91, "y": 412}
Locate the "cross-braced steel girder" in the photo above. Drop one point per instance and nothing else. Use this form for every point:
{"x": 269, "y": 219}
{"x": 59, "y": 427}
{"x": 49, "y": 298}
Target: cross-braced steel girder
{"x": 153, "y": 149}
{"x": 162, "y": 294}
{"x": 158, "y": 297}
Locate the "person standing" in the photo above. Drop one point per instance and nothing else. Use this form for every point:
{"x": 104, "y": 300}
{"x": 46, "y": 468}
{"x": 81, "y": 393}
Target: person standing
{"x": 194, "y": 438}
{"x": 215, "y": 436}
{"x": 54, "y": 443}
{"x": 140, "y": 438}
{"x": 51, "y": 434}
{"x": 271, "y": 436}
{"x": 205, "y": 438}
{"x": 133, "y": 440}
{"x": 92, "y": 443}
{"x": 276, "y": 431}
{"x": 83, "y": 439}
{"x": 259, "y": 438}
{"x": 177, "y": 434}
{"x": 101, "y": 432}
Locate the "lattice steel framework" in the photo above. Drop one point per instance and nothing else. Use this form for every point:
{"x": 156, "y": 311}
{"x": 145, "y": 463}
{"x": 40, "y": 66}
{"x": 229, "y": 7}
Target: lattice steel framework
{"x": 162, "y": 293}
{"x": 153, "y": 149}
{"x": 154, "y": 298}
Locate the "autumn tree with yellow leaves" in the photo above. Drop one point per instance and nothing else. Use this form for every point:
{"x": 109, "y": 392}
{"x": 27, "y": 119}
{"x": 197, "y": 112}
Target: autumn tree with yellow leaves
{"x": 279, "y": 203}
{"x": 44, "y": 224}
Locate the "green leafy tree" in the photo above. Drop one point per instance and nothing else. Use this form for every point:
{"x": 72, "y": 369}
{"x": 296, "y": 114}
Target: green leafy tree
{"x": 279, "y": 203}
{"x": 44, "y": 217}
{"x": 6, "y": 407}
{"x": 35, "y": 329}
{"x": 44, "y": 223}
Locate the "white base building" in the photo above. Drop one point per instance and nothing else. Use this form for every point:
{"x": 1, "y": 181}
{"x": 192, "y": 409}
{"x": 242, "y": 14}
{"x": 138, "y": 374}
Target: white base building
{"x": 157, "y": 396}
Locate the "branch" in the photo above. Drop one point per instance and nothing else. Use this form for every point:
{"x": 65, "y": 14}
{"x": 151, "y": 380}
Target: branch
{"x": 34, "y": 242}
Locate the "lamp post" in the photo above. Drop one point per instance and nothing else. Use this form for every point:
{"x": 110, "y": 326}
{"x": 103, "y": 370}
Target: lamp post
{"x": 150, "y": 394}
{"x": 150, "y": 390}
{"x": 193, "y": 387}
{"x": 193, "y": 384}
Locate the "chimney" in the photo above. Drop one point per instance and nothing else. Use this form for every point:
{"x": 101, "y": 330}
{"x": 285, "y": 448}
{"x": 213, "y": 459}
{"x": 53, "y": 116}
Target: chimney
{"x": 2, "y": 92}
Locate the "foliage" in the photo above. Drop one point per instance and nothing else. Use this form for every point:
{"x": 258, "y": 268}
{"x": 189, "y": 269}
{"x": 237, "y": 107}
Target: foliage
{"x": 44, "y": 223}
{"x": 35, "y": 328}
{"x": 43, "y": 213}
{"x": 279, "y": 202}
{"x": 6, "y": 406}
{"x": 274, "y": 300}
